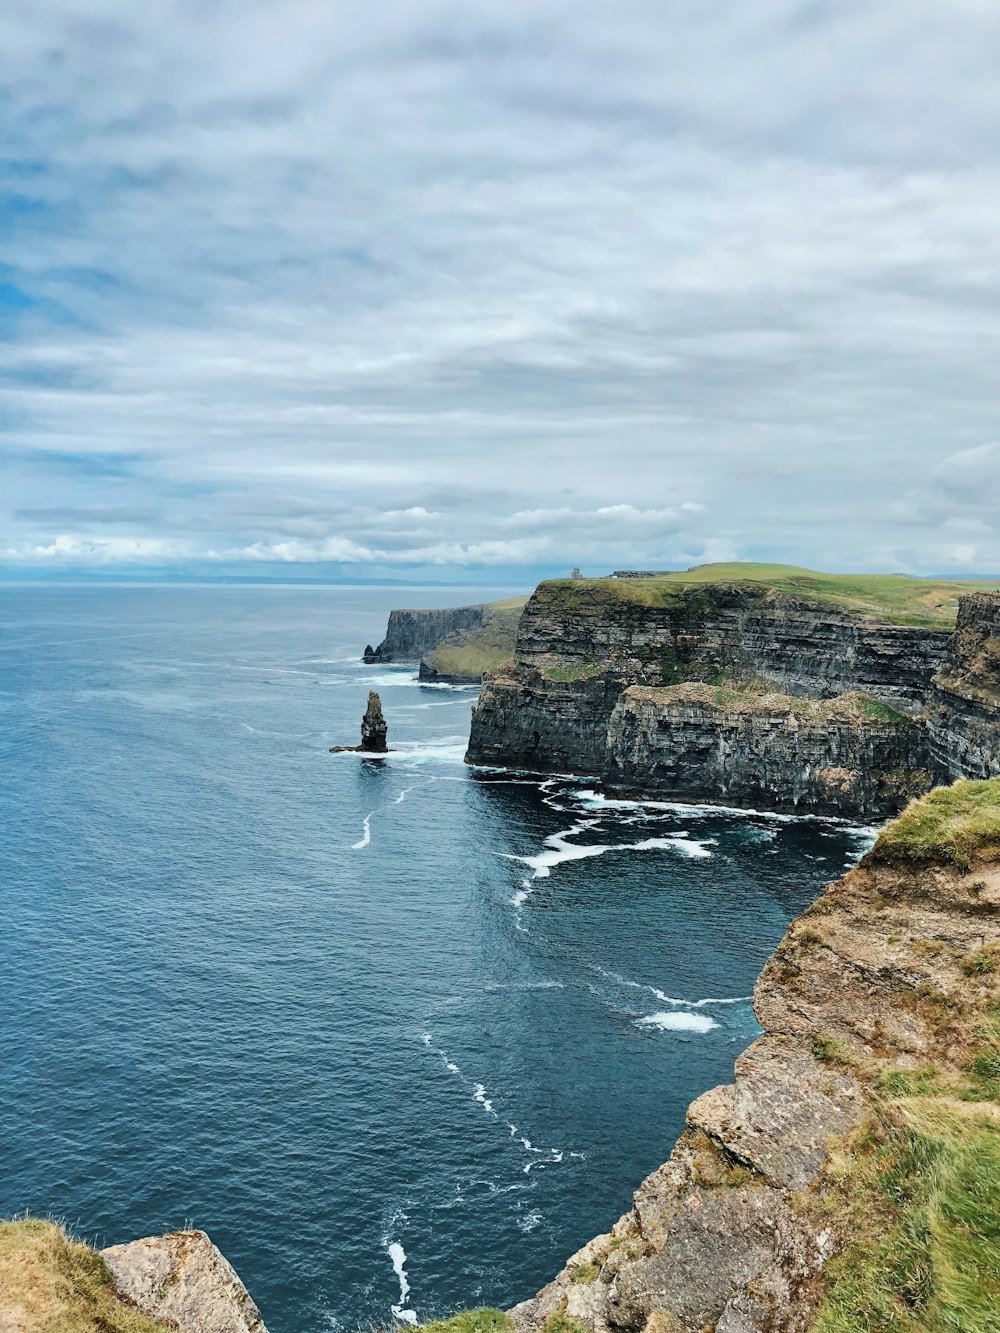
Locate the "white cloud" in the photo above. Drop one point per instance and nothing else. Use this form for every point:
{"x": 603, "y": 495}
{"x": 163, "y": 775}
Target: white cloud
{"x": 512, "y": 283}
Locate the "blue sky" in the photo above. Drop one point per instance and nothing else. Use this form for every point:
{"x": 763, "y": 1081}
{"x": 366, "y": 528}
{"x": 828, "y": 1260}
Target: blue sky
{"x": 486, "y": 291}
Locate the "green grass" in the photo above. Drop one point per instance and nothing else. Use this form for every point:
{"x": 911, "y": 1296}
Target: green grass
{"x": 50, "y": 1283}
{"x": 469, "y": 653}
{"x": 951, "y": 825}
{"x": 563, "y": 1323}
{"x": 923, "y": 1211}
{"x": 917, "y": 1197}
{"x": 483, "y": 1320}
{"x": 578, "y": 671}
{"x": 896, "y": 598}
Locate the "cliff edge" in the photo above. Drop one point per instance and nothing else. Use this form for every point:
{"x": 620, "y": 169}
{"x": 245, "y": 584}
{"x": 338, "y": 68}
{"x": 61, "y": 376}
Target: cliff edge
{"x": 455, "y": 644}
{"x": 848, "y": 1178}
{"x": 178, "y": 1283}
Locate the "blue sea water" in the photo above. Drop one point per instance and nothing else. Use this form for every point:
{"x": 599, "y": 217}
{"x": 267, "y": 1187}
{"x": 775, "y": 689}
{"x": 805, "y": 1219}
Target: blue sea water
{"x": 399, "y": 1035}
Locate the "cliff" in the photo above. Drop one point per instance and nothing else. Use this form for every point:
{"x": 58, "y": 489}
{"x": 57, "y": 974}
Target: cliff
{"x": 566, "y": 703}
{"x": 849, "y": 1177}
{"x": 411, "y": 635}
{"x": 178, "y": 1283}
{"x": 964, "y": 705}
{"x": 762, "y": 748}
{"x": 456, "y": 645}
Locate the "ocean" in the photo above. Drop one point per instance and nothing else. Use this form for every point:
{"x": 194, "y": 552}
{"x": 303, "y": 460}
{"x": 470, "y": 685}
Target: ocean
{"x": 400, "y": 1035}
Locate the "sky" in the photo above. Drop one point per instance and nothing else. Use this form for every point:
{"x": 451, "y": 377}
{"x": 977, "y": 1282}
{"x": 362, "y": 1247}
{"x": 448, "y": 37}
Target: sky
{"x": 483, "y": 291}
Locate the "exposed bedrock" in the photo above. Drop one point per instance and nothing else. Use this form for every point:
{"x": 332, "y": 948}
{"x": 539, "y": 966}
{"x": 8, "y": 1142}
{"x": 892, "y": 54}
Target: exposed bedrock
{"x": 183, "y": 1279}
{"x": 963, "y": 711}
{"x": 411, "y": 635}
{"x": 847, "y": 756}
{"x": 879, "y": 977}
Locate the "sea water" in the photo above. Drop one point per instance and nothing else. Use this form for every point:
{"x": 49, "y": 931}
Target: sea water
{"x": 400, "y": 1035}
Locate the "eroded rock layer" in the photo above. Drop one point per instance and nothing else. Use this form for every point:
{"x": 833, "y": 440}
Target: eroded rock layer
{"x": 849, "y": 755}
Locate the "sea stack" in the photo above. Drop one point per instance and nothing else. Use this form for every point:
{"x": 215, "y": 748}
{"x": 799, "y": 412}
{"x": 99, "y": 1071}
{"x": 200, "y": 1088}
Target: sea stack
{"x": 373, "y": 727}
{"x": 373, "y": 731}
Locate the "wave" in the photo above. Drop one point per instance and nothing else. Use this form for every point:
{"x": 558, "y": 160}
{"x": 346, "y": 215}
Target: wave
{"x": 662, "y": 995}
{"x": 677, "y": 1021}
{"x": 560, "y": 849}
{"x": 446, "y": 750}
{"x": 594, "y": 800}
{"x": 366, "y": 836}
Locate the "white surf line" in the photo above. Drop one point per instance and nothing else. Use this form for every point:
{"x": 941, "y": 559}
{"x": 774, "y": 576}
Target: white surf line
{"x": 479, "y": 1095}
{"x": 366, "y": 836}
{"x": 594, "y": 800}
{"x": 398, "y": 1257}
{"x": 668, "y": 999}
{"x": 561, "y": 849}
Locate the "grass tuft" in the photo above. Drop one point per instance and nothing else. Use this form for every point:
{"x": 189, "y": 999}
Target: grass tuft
{"x": 50, "y": 1283}
{"x": 482, "y": 1320}
{"x": 949, "y": 826}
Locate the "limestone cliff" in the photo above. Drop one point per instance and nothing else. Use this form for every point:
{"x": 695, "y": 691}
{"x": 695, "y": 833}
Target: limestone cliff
{"x": 411, "y": 635}
{"x": 881, "y": 1052}
{"x": 964, "y": 705}
{"x": 759, "y": 748}
{"x": 566, "y": 703}
{"x": 451, "y": 646}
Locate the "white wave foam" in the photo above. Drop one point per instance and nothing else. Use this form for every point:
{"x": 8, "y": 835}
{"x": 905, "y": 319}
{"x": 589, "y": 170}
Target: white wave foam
{"x": 398, "y": 1256}
{"x": 479, "y": 1095}
{"x": 447, "y": 750}
{"x": 677, "y": 1022}
{"x": 529, "y": 1221}
{"x": 593, "y": 800}
{"x": 560, "y": 850}
{"x": 452, "y": 1067}
{"x": 687, "y": 846}
{"x": 402, "y": 796}
{"x": 366, "y": 836}
{"x": 663, "y": 996}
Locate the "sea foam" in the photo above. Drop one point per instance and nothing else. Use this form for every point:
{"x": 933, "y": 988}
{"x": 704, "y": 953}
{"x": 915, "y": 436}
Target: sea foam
{"x": 677, "y": 1021}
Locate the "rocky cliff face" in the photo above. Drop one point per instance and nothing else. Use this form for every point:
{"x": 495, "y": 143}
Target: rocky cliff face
{"x": 890, "y": 970}
{"x": 964, "y": 705}
{"x": 411, "y": 635}
{"x": 845, "y": 756}
{"x": 580, "y": 645}
{"x": 183, "y": 1280}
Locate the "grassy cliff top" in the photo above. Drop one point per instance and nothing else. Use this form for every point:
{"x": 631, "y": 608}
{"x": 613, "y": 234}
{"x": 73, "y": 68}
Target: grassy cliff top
{"x": 949, "y": 826}
{"x": 49, "y": 1281}
{"x": 894, "y": 597}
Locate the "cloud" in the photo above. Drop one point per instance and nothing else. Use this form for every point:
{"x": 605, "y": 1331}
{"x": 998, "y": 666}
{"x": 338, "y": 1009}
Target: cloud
{"x": 531, "y": 284}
